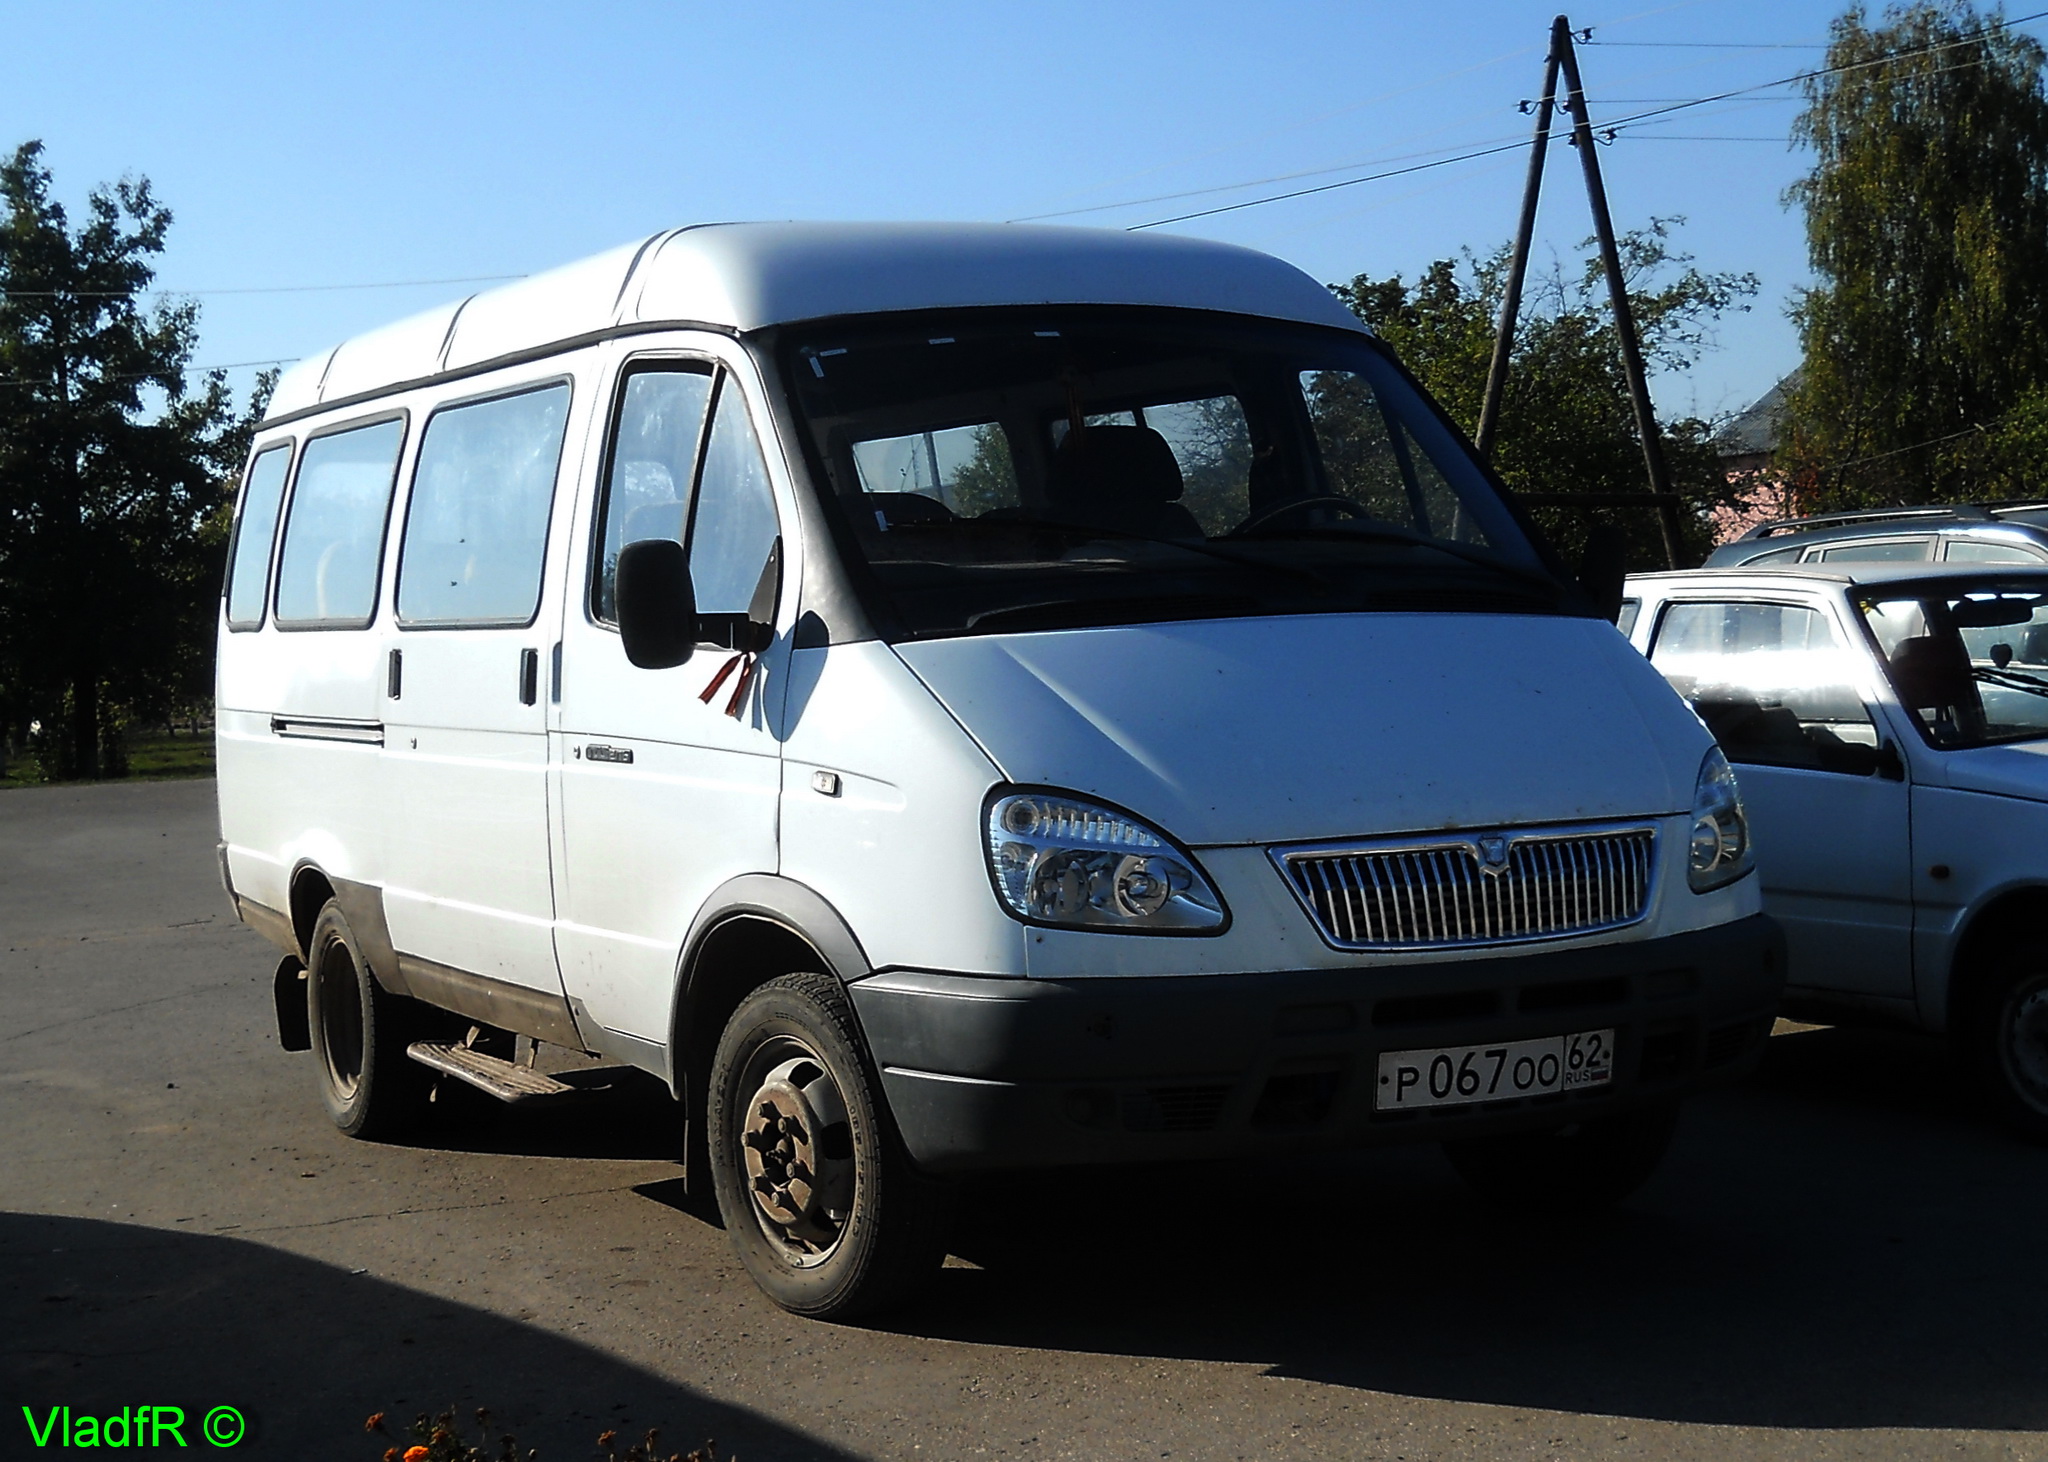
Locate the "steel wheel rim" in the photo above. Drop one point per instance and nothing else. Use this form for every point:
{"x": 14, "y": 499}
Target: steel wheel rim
{"x": 341, "y": 1019}
{"x": 2023, "y": 1042}
{"x": 795, "y": 1145}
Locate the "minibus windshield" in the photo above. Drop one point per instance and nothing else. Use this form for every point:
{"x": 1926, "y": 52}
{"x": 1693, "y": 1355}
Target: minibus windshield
{"x": 1007, "y": 470}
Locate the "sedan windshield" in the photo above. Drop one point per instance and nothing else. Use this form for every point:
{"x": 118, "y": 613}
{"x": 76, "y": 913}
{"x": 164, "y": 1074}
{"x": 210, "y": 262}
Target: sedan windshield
{"x": 1969, "y": 660}
{"x": 1000, "y": 471}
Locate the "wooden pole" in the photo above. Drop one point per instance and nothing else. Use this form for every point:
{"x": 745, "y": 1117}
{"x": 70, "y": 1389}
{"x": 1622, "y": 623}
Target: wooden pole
{"x": 1518, "y": 263}
{"x": 1617, "y": 289}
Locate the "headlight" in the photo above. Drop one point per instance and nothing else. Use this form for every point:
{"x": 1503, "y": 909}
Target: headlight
{"x": 1059, "y": 860}
{"x": 1720, "y": 851}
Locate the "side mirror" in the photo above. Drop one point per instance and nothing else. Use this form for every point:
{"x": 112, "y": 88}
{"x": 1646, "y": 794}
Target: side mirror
{"x": 657, "y": 605}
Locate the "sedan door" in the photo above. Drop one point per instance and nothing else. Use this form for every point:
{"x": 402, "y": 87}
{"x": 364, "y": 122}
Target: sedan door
{"x": 1779, "y": 685}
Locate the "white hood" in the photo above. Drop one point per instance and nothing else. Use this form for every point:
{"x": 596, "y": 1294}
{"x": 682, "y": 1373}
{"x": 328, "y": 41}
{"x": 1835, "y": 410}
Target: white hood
{"x": 2018, "y": 770}
{"x": 1300, "y": 727}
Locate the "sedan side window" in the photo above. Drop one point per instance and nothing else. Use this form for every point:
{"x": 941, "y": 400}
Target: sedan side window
{"x": 1773, "y": 682}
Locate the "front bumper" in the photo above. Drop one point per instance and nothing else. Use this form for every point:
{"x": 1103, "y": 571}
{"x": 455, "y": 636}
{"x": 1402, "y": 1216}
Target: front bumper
{"x": 986, "y": 1073}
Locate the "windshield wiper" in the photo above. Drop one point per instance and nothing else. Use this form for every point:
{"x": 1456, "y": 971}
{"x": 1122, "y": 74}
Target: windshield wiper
{"x": 1090, "y": 613}
{"x": 1187, "y": 545}
{"x": 2011, "y": 680}
{"x": 1474, "y": 556}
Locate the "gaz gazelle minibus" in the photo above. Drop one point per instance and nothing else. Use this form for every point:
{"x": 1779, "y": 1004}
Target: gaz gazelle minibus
{"x": 950, "y": 699}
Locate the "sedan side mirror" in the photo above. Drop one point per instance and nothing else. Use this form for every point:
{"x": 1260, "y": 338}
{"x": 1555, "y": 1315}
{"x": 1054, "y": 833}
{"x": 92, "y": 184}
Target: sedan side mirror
{"x": 657, "y": 604}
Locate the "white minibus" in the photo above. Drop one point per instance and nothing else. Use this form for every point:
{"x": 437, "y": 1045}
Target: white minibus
{"x": 951, "y": 699}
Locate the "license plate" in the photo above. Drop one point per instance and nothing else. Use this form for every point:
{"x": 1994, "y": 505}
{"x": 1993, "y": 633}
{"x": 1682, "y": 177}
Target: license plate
{"x": 1452, "y": 1076}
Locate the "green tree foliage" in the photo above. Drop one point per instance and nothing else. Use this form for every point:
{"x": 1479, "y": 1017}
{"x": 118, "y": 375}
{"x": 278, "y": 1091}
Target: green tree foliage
{"x": 1926, "y": 338}
{"x": 114, "y": 475}
{"x": 1566, "y": 424}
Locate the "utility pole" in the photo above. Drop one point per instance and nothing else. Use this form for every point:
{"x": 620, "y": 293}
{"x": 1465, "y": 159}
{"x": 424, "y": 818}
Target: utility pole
{"x": 1518, "y": 264}
{"x": 1660, "y": 496}
{"x": 1617, "y": 290}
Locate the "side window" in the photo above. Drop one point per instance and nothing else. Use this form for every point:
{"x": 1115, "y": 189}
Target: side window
{"x": 1967, "y": 550}
{"x": 966, "y": 468}
{"x": 1774, "y": 683}
{"x": 1625, "y": 617}
{"x": 334, "y": 527}
{"x": 647, "y": 479}
{"x": 1370, "y": 457}
{"x": 476, "y": 528}
{"x": 1878, "y": 550}
{"x": 255, "y": 536}
{"x": 1776, "y": 555}
{"x": 732, "y": 522}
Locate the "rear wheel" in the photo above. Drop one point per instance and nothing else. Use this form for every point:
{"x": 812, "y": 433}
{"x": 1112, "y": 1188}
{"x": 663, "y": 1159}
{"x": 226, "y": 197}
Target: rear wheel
{"x": 1583, "y": 1164}
{"x": 359, "y": 1033}
{"x": 814, "y": 1185}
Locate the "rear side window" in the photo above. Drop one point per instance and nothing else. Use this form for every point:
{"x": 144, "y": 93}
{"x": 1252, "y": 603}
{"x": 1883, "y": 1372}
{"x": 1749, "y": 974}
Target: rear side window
{"x": 255, "y": 534}
{"x": 732, "y": 525}
{"x": 1969, "y": 550}
{"x": 476, "y": 528}
{"x": 334, "y": 528}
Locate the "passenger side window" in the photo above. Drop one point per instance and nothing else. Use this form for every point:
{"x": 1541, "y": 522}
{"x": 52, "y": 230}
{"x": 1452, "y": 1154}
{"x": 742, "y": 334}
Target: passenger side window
{"x": 334, "y": 528}
{"x": 1773, "y": 682}
{"x": 732, "y": 521}
{"x": 255, "y": 535}
{"x": 1370, "y": 457}
{"x": 476, "y": 528}
{"x": 647, "y": 480}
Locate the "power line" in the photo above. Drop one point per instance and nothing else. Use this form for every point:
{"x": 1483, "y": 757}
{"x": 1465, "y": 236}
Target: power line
{"x": 232, "y": 365}
{"x": 1609, "y": 127}
{"x": 257, "y": 288}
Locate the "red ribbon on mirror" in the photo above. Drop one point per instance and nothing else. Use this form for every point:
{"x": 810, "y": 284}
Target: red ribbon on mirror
{"x": 742, "y": 662}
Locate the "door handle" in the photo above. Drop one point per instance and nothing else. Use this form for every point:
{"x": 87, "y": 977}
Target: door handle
{"x": 529, "y": 677}
{"x": 394, "y": 675}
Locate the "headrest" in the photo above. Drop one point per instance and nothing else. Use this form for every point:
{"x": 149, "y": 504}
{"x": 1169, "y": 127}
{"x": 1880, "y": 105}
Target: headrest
{"x": 1106, "y": 467}
{"x": 1931, "y": 671}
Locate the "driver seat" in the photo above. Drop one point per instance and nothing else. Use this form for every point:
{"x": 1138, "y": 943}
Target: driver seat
{"x": 1121, "y": 478}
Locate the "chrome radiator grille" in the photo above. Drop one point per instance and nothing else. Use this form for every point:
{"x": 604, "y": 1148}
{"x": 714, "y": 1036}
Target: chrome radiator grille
{"x": 1491, "y": 889}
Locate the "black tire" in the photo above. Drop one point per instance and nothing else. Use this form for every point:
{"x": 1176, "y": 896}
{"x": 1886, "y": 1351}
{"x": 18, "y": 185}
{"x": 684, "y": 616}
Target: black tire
{"x": 2004, "y": 1035}
{"x": 831, "y": 1218}
{"x": 359, "y": 1033}
{"x": 1585, "y": 1164}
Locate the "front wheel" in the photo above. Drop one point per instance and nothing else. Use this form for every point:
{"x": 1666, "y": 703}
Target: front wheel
{"x": 1583, "y": 1164}
{"x": 821, "y": 1200}
{"x": 2006, "y": 1045}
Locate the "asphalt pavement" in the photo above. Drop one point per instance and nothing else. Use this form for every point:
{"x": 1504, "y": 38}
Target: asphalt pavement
{"x": 1839, "y": 1259}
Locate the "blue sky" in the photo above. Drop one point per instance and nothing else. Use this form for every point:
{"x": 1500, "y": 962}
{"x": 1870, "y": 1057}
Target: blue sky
{"x": 365, "y": 144}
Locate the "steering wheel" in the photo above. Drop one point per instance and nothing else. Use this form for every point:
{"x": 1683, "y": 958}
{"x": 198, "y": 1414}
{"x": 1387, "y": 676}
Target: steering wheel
{"x": 1324, "y": 500}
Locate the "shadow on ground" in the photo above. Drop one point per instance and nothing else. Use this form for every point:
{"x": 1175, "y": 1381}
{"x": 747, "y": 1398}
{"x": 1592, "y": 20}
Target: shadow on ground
{"x": 1841, "y": 1243}
{"x": 99, "y": 1316}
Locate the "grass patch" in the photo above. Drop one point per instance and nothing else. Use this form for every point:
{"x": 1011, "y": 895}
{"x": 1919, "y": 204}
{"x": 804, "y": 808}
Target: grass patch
{"x": 153, "y": 756}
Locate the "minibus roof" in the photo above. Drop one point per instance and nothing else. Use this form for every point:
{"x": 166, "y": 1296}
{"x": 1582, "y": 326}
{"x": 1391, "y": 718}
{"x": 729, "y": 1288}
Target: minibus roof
{"x": 743, "y": 276}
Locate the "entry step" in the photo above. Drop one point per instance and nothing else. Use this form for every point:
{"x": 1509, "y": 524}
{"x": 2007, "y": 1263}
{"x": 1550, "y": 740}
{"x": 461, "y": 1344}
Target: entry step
{"x": 505, "y": 1080}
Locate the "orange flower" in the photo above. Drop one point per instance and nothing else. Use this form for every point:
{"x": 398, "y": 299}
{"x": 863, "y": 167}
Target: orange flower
{"x": 375, "y": 1422}
{"x": 391, "y": 1454}
{"x": 415, "y": 1454}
